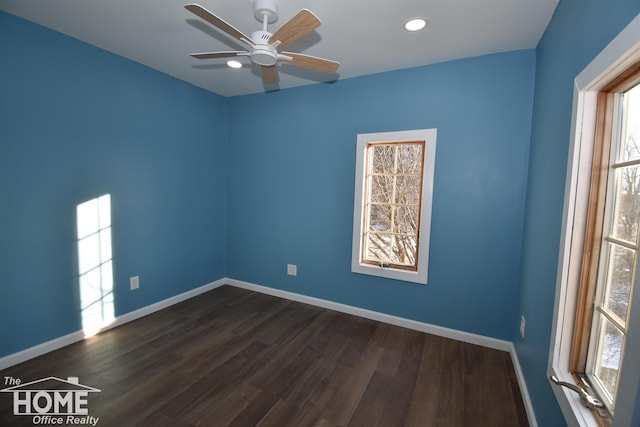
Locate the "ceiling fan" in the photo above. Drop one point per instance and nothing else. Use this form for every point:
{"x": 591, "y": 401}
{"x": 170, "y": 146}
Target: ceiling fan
{"x": 263, "y": 46}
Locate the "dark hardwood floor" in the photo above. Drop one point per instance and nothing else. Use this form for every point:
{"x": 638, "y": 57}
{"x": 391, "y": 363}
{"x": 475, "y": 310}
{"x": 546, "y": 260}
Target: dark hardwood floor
{"x": 232, "y": 357}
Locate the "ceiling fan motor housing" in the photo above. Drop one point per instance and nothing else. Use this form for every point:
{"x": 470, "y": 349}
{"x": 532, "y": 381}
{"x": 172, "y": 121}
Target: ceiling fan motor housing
{"x": 263, "y": 53}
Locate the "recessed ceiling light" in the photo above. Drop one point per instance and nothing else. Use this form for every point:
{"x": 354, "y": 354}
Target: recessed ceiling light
{"x": 415, "y": 24}
{"x": 234, "y": 64}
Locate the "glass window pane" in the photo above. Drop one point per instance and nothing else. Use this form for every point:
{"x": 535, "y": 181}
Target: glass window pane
{"x": 627, "y": 204}
{"x": 383, "y": 159}
{"x": 408, "y": 190}
{"x": 619, "y": 281}
{"x": 379, "y": 218}
{"x": 394, "y": 249}
{"x": 631, "y": 125}
{"x": 410, "y": 158}
{"x": 608, "y": 356}
{"x": 381, "y": 188}
{"x": 406, "y": 220}
{"x": 88, "y": 253}
{"x": 377, "y": 248}
{"x": 404, "y": 249}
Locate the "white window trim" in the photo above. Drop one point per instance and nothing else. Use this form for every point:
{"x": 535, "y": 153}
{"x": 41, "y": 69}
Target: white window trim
{"x": 421, "y": 275}
{"x": 619, "y": 55}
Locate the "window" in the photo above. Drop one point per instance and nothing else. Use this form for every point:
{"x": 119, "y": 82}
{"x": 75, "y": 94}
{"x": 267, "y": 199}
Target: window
{"x": 597, "y": 272}
{"x": 95, "y": 263}
{"x": 611, "y": 243}
{"x": 393, "y": 186}
{"x": 392, "y": 212}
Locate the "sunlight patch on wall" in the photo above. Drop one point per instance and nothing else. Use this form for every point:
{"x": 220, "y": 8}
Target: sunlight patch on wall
{"x": 95, "y": 265}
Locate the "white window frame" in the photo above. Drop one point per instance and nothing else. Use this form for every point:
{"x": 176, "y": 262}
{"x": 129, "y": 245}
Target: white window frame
{"x": 421, "y": 275}
{"x": 619, "y": 55}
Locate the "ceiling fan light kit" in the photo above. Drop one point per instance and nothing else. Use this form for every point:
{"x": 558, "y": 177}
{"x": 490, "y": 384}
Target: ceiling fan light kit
{"x": 263, "y": 53}
{"x": 264, "y": 46}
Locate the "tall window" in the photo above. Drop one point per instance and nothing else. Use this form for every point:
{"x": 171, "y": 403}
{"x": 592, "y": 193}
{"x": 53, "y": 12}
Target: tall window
{"x": 394, "y": 184}
{"x": 611, "y": 247}
{"x": 95, "y": 263}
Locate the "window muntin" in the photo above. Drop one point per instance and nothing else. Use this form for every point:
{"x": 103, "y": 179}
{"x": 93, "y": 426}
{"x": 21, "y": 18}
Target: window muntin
{"x": 393, "y": 199}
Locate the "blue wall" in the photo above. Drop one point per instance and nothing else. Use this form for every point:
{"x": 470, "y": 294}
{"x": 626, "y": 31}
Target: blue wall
{"x": 578, "y": 31}
{"x": 77, "y": 122}
{"x": 291, "y": 187}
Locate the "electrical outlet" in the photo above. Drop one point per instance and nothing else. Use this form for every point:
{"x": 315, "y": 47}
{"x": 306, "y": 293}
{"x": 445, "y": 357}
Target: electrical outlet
{"x": 523, "y": 325}
{"x": 134, "y": 282}
{"x": 292, "y": 269}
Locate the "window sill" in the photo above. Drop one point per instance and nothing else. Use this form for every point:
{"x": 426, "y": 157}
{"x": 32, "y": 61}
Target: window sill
{"x": 390, "y": 273}
{"x": 574, "y": 412}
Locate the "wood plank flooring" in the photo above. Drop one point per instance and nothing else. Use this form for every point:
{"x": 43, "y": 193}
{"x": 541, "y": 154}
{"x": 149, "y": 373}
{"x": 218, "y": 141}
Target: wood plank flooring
{"x": 232, "y": 357}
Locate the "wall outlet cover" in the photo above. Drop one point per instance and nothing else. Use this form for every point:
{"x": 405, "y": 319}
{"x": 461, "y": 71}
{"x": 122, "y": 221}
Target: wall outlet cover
{"x": 292, "y": 269}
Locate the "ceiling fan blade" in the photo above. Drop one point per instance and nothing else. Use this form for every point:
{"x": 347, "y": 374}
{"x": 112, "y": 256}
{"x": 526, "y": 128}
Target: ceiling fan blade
{"x": 210, "y": 55}
{"x": 270, "y": 74}
{"x": 218, "y": 22}
{"x": 297, "y": 27}
{"x": 312, "y": 62}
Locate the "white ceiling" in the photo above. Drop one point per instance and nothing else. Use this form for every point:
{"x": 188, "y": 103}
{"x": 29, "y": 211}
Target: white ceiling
{"x": 365, "y": 36}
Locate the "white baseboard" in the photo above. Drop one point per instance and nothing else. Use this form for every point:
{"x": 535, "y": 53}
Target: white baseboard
{"x": 528, "y": 405}
{"x": 38, "y": 350}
